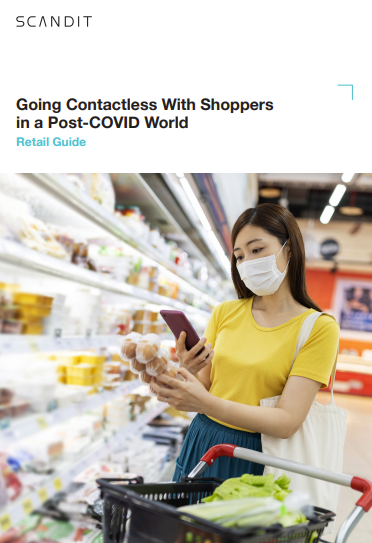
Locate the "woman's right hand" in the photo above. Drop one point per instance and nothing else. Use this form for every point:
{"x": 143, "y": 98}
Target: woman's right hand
{"x": 190, "y": 359}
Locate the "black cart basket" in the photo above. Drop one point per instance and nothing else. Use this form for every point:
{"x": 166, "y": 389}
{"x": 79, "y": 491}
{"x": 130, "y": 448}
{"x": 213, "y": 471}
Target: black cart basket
{"x": 148, "y": 512}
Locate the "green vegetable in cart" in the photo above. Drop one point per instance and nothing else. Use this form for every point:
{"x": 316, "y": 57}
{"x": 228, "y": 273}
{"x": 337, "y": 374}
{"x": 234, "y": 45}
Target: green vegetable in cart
{"x": 247, "y": 485}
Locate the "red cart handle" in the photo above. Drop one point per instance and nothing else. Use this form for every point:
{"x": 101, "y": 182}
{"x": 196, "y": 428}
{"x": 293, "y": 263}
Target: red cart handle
{"x": 365, "y": 486}
{"x": 356, "y": 483}
{"x": 217, "y": 451}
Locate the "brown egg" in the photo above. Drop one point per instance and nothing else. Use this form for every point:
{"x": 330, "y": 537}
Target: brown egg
{"x": 137, "y": 367}
{"x": 145, "y": 377}
{"x": 156, "y": 366}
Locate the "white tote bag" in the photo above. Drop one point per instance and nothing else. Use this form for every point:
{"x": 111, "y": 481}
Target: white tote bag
{"x": 319, "y": 442}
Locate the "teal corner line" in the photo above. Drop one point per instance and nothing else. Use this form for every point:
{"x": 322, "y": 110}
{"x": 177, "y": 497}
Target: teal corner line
{"x": 348, "y": 85}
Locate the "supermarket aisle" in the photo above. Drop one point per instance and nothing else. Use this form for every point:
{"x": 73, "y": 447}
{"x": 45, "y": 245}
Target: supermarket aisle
{"x": 357, "y": 460}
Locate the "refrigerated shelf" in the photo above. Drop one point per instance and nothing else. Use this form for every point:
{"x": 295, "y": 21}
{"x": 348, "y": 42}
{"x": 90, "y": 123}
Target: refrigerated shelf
{"x": 59, "y": 186}
{"x": 28, "y": 425}
{"x": 14, "y": 512}
{"x": 15, "y": 254}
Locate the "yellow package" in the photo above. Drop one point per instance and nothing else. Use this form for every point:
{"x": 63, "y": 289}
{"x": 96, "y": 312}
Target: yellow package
{"x": 32, "y": 329}
{"x": 80, "y": 370}
{"x": 26, "y": 298}
{"x": 80, "y": 381}
{"x": 93, "y": 359}
{"x": 68, "y": 358}
{"x": 26, "y": 311}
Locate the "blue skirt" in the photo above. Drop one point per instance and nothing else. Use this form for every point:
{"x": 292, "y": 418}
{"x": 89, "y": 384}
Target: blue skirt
{"x": 203, "y": 434}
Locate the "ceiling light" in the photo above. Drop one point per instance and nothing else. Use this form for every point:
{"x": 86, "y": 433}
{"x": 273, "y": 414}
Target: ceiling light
{"x": 347, "y": 177}
{"x": 270, "y": 192}
{"x": 179, "y": 174}
{"x": 195, "y": 204}
{"x": 337, "y": 194}
{"x": 327, "y": 214}
{"x": 219, "y": 250}
{"x": 351, "y": 210}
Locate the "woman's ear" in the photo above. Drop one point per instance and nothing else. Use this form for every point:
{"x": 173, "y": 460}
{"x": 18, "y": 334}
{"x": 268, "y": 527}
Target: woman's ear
{"x": 289, "y": 252}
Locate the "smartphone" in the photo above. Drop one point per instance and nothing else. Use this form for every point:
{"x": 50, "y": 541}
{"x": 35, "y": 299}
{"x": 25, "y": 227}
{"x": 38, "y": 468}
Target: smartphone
{"x": 178, "y": 322}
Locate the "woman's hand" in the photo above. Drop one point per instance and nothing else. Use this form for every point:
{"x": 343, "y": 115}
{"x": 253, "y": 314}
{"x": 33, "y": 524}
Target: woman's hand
{"x": 191, "y": 360}
{"x": 189, "y": 395}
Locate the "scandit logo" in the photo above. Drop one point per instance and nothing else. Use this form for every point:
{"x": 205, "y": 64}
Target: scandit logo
{"x": 65, "y": 21}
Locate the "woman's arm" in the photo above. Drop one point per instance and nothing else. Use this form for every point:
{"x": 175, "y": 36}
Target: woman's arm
{"x": 283, "y": 421}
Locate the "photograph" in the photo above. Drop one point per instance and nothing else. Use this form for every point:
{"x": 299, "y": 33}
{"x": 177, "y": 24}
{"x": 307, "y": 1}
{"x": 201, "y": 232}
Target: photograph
{"x": 162, "y": 339}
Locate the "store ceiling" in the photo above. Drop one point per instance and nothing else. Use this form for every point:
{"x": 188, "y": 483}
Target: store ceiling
{"x": 308, "y": 194}
{"x": 150, "y": 193}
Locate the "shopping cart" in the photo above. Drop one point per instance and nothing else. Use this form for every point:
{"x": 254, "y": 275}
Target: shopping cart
{"x": 147, "y": 513}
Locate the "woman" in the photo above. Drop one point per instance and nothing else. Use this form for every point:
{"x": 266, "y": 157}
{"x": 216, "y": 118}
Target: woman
{"x": 253, "y": 341}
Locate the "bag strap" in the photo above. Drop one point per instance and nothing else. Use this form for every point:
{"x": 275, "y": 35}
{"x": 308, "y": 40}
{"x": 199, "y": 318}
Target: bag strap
{"x": 303, "y": 336}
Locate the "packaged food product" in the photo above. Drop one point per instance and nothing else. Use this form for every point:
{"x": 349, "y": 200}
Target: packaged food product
{"x": 148, "y": 327}
{"x": 81, "y": 381}
{"x": 158, "y": 364}
{"x": 137, "y": 367}
{"x": 129, "y": 345}
{"x": 170, "y": 372}
{"x": 145, "y": 377}
{"x": 6, "y": 395}
{"x": 145, "y": 315}
{"x": 148, "y": 348}
{"x": 9, "y": 312}
{"x": 93, "y": 359}
{"x": 68, "y": 358}
{"x": 80, "y": 370}
{"x": 27, "y": 298}
{"x": 112, "y": 367}
{"x": 19, "y": 407}
{"x": 102, "y": 190}
{"x": 12, "y": 483}
{"x": 9, "y": 326}
{"x": 33, "y": 329}
{"x": 34, "y": 234}
{"x": 34, "y": 311}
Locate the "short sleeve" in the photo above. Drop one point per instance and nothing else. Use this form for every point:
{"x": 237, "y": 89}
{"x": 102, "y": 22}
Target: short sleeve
{"x": 317, "y": 357}
{"x": 212, "y": 326}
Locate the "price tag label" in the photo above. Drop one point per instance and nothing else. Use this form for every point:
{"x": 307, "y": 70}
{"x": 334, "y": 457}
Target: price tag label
{"x": 27, "y": 506}
{"x": 43, "y": 495}
{"x": 42, "y": 422}
{"x": 57, "y": 484}
{"x": 33, "y": 346}
{"x": 5, "y": 522}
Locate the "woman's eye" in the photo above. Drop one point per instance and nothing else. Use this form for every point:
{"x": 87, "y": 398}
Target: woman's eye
{"x": 255, "y": 251}
{"x": 239, "y": 258}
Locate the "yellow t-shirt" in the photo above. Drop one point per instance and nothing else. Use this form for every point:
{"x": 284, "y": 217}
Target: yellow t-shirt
{"x": 252, "y": 363}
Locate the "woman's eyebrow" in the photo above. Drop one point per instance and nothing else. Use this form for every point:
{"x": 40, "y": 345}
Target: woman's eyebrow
{"x": 249, "y": 242}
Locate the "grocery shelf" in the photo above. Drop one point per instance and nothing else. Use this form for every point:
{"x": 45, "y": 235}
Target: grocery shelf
{"x": 22, "y": 344}
{"x": 59, "y": 186}
{"x": 13, "y": 253}
{"x": 28, "y": 425}
{"x": 11, "y": 514}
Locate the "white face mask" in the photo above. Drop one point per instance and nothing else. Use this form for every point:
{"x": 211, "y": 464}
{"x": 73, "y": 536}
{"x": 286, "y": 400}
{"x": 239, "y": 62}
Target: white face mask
{"x": 261, "y": 275}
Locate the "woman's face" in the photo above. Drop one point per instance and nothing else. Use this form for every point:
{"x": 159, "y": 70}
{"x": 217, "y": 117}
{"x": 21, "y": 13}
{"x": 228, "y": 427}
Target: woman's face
{"x": 254, "y": 242}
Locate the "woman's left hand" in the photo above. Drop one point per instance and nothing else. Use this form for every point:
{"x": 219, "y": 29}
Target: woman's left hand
{"x": 189, "y": 395}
